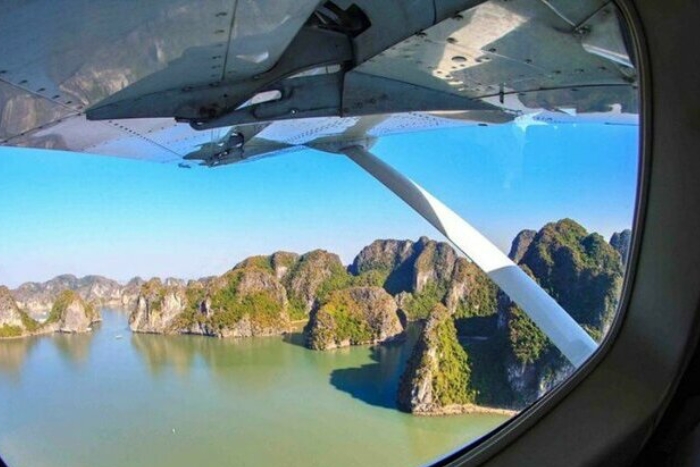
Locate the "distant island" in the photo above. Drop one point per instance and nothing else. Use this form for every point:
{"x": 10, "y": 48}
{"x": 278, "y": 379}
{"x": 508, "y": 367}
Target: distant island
{"x": 476, "y": 348}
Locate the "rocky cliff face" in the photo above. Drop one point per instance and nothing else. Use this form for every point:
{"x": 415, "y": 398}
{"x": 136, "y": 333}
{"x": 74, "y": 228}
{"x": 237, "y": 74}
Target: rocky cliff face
{"x": 71, "y": 314}
{"x": 520, "y": 244}
{"x": 437, "y": 375}
{"x": 353, "y": 316}
{"x": 311, "y": 278}
{"x": 580, "y": 270}
{"x": 131, "y": 292}
{"x": 389, "y": 262}
{"x": 620, "y": 241}
{"x": 246, "y": 301}
{"x": 36, "y": 297}
{"x": 583, "y": 273}
{"x": 424, "y": 273}
{"x": 13, "y": 321}
{"x": 157, "y": 307}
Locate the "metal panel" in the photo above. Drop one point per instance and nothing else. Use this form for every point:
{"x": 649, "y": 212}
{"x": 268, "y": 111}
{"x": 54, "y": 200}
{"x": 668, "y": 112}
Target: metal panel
{"x": 494, "y": 47}
{"x": 261, "y": 32}
{"x": 86, "y": 51}
{"x": 21, "y": 112}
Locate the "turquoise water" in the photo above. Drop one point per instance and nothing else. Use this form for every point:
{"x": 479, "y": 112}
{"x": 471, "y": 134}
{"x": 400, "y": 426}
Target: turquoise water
{"x": 145, "y": 400}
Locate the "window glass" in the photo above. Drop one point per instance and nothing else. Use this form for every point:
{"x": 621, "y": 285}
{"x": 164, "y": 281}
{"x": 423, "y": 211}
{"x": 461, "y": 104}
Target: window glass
{"x": 293, "y": 310}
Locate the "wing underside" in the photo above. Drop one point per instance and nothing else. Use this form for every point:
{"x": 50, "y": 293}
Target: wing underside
{"x": 226, "y": 81}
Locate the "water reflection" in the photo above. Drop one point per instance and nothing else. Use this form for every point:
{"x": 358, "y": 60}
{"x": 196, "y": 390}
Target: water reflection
{"x": 255, "y": 363}
{"x": 161, "y": 352}
{"x": 13, "y": 354}
{"x": 74, "y": 349}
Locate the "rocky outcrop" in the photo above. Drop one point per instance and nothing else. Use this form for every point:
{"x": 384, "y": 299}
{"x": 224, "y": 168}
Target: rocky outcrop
{"x": 282, "y": 262}
{"x": 424, "y": 273}
{"x": 437, "y": 375}
{"x": 620, "y": 241}
{"x": 390, "y": 261}
{"x": 353, "y": 316}
{"x": 520, "y": 244}
{"x": 279, "y": 263}
{"x": 71, "y": 314}
{"x": 434, "y": 264}
{"x": 580, "y": 270}
{"x": 36, "y": 297}
{"x": 13, "y": 321}
{"x": 312, "y": 278}
{"x": 130, "y": 292}
{"x": 583, "y": 273}
{"x": 246, "y": 301}
{"x": 157, "y": 307}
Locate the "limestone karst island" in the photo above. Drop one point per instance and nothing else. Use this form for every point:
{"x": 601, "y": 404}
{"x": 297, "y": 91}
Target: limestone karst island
{"x": 471, "y": 348}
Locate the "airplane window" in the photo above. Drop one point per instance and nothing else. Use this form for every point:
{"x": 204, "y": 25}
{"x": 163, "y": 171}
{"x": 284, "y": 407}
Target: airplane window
{"x": 368, "y": 304}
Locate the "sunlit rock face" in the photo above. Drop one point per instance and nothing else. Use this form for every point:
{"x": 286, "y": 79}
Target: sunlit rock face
{"x": 157, "y": 307}
{"x": 71, "y": 314}
{"x": 130, "y": 293}
{"x": 353, "y": 316}
{"x": 437, "y": 375}
{"x": 246, "y": 301}
{"x": 424, "y": 273}
{"x": 36, "y": 297}
{"x": 312, "y": 276}
{"x": 12, "y": 321}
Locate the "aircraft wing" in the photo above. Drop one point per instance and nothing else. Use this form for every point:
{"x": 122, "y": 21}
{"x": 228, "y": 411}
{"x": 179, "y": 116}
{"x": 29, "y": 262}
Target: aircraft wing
{"x": 223, "y": 81}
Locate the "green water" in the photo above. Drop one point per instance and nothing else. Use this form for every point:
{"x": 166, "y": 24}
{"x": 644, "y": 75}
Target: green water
{"x": 144, "y": 400}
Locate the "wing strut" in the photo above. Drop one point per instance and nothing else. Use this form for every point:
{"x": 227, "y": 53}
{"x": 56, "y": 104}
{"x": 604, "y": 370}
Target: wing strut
{"x": 565, "y": 333}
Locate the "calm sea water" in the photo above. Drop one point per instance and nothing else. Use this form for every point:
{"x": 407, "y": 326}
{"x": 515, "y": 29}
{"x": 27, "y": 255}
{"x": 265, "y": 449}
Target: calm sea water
{"x": 145, "y": 400}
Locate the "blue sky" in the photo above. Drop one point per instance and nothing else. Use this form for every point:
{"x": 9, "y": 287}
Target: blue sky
{"x": 70, "y": 213}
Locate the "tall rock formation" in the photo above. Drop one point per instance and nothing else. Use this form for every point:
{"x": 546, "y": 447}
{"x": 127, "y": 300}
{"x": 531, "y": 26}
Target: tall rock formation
{"x": 246, "y": 301}
{"x": 71, "y": 314}
{"x": 580, "y": 270}
{"x": 424, "y": 273}
{"x": 311, "y": 278}
{"x": 353, "y": 316}
{"x": 437, "y": 376}
{"x": 157, "y": 307}
{"x": 583, "y": 273}
{"x": 130, "y": 292}
{"x": 13, "y": 321}
{"x": 39, "y": 297}
{"x": 520, "y": 244}
{"x": 621, "y": 242}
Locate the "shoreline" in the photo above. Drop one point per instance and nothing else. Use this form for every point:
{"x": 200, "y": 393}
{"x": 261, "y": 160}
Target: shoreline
{"x": 466, "y": 409}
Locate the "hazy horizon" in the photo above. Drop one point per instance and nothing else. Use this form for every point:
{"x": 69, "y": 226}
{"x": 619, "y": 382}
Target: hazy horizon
{"x": 84, "y": 215}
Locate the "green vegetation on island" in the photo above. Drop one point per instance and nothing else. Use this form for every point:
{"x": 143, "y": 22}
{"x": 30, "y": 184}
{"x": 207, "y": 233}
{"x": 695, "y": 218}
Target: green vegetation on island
{"x": 437, "y": 375}
{"x": 476, "y": 346}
